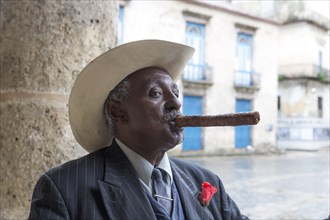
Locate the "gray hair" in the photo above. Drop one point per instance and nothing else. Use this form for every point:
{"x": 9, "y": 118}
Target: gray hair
{"x": 119, "y": 94}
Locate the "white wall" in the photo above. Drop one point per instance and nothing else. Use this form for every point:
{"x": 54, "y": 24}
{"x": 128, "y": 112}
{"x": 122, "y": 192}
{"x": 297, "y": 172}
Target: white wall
{"x": 300, "y": 43}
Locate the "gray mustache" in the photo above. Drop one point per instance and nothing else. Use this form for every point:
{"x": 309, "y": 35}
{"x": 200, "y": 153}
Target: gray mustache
{"x": 170, "y": 116}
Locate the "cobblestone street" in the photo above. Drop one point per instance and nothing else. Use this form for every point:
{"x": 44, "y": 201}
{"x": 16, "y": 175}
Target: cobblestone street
{"x": 290, "y": 186}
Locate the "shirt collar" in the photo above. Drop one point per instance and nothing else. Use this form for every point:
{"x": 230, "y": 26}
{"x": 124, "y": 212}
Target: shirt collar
{"x": 143, "y": 167}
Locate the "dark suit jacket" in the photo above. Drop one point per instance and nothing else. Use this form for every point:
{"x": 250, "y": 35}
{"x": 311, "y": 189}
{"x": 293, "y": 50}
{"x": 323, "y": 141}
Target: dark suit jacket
{"x": 104, "y": 185}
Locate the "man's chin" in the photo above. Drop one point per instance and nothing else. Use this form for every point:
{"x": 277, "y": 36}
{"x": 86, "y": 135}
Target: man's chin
{"x": 179, "y": 138}
{"x": 176, "y": 140}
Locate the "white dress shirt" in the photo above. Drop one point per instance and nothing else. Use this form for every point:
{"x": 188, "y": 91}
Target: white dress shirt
{"x": 144, "y": 168}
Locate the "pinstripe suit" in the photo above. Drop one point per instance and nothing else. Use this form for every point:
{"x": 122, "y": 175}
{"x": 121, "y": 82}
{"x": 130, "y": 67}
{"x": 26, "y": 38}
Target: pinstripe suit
{"x": 104, "y": 185}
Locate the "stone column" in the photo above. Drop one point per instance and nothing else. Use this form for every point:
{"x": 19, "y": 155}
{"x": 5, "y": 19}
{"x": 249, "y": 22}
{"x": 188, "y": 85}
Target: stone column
{"x": 44, "y": 45}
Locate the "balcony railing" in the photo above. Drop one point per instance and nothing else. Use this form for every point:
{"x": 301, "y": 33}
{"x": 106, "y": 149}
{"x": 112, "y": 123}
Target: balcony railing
{"x": 247, "y": 79}
{"x": 304, "y": 70}
{"x": 198, "y": 73}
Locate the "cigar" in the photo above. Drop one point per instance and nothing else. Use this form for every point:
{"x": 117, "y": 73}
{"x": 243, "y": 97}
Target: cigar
{"x": 234, "y": 119}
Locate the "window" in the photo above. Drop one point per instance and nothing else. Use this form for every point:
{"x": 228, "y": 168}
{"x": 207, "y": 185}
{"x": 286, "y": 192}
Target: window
{"x": 120, "y": 38}
{"x": 278, "y": 103}
{"x": 244, "y": 71}
{"x": 195, "y": 37}
{"x": 320, "y": 107}
{"x": 320, "y": 61}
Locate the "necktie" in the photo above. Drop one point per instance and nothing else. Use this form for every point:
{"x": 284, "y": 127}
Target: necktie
{"x": 160, "y": 192}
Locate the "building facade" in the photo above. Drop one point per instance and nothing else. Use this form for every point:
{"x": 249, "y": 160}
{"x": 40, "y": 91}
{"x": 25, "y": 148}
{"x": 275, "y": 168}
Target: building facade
{"x": 234, "y": 68}
{"x": 303, "y": 93}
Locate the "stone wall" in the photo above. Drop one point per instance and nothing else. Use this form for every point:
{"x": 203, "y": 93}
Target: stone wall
{"x": 44, "y": 45}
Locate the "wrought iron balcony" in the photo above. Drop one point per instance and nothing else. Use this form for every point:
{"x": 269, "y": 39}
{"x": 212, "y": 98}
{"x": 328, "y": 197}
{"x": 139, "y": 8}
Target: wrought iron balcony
{"x": 198, "y": 73}
{"x": 304, "y": 71}
{"x": 247, "y": 80}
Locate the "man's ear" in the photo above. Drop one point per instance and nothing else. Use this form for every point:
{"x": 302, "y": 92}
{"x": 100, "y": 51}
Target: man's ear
{"x": 117, "y": 112}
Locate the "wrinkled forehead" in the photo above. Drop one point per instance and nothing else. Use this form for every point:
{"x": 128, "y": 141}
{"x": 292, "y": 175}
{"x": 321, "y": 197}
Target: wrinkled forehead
{"x": 150, "y": 74}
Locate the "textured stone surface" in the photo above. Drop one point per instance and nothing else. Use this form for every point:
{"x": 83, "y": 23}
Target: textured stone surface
{"x": 63, "y": 35}
{"x": 35, "y": 138}
{"x": 44, "y": 45}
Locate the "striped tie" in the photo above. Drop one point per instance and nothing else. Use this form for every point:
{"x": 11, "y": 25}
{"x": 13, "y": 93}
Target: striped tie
{"x": 160, "y": 192}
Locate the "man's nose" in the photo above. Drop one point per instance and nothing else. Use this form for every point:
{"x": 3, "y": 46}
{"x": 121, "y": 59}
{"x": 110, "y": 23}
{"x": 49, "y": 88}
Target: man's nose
{"x": 172, "y": 103}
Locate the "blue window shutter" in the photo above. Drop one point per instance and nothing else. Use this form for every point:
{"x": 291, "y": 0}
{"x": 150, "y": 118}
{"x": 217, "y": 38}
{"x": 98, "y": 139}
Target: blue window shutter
{"x": 192, "y": 105}
{"x": 243, "y": 133}
{"x": 120, "y": 38}
{"x": 195, "y": 37}
{"x": 244, "y": 69}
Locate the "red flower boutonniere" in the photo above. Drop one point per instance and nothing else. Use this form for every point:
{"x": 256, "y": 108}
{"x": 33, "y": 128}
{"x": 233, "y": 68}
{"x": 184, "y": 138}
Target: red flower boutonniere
{"x": 207, "y": 192}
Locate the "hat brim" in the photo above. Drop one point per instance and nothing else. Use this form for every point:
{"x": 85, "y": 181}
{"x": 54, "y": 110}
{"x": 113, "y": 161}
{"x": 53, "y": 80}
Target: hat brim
{"x": 99, "y": 77}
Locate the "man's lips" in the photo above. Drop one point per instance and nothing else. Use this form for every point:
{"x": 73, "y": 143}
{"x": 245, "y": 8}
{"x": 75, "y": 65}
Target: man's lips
{"x": 169, "y": 117}
{"x": 174, "y": 125}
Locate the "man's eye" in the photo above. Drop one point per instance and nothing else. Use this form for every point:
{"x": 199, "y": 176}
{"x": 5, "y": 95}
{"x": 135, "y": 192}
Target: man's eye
{"x": 155, "y": 94}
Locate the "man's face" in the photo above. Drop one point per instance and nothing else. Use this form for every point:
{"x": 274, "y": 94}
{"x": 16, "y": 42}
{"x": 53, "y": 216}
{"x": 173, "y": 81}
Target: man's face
{"x": 151, "y": 108}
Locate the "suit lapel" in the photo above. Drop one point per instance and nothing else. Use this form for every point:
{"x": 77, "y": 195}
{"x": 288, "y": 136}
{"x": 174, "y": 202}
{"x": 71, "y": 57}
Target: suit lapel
{"x": 189, "y": 195}
{"x": 121, "y": 191}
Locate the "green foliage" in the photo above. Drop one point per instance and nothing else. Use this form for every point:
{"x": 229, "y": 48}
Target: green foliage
{"x": 321, "y": 76}
{"x": 281, "y": 77}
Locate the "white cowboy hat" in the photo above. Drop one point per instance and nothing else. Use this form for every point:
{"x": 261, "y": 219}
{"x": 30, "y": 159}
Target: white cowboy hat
{"x": 99, "y": 77}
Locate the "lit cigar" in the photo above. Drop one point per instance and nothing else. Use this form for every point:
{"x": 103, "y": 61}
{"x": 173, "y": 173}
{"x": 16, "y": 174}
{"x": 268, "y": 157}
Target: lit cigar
{"x": 234, "y": 119}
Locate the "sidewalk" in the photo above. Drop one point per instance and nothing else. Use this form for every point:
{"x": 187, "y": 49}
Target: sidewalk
{"x": 294, "y": 185}
{"x": 248, "y": 151}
